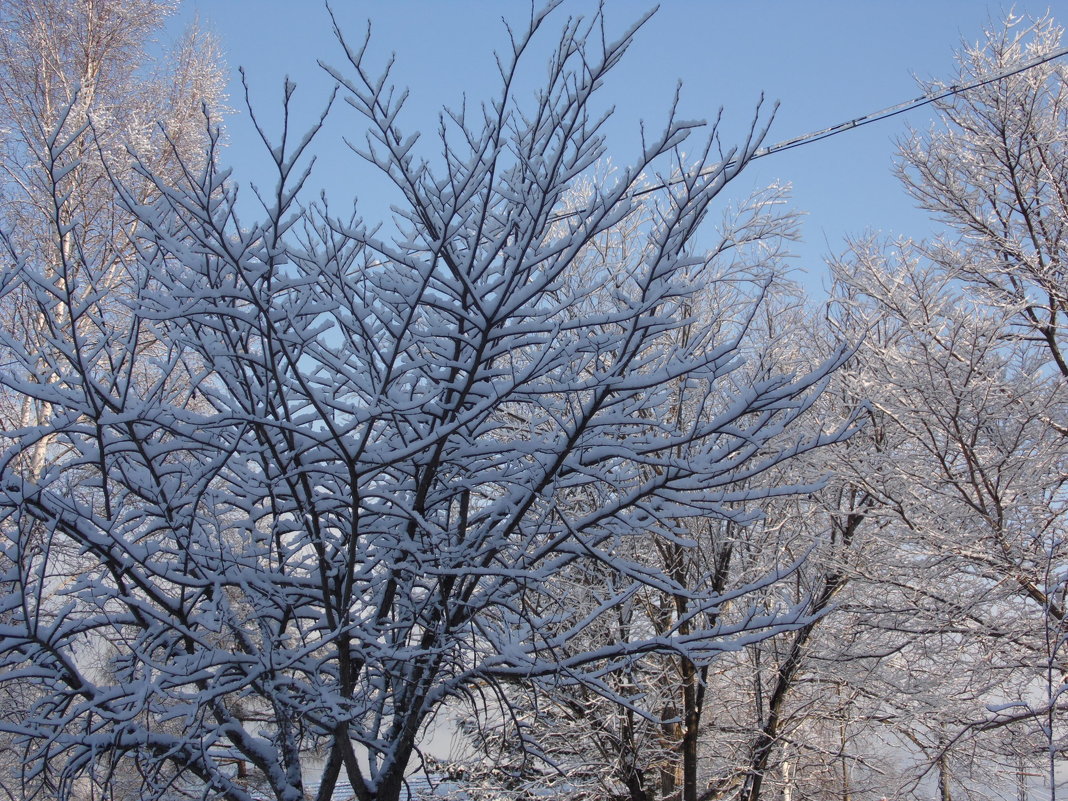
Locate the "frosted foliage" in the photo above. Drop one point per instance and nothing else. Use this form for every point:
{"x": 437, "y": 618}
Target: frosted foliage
{"x": 304, "y": 483}
{"x": 994, "y": 171}
{"x": 966, "y": 468}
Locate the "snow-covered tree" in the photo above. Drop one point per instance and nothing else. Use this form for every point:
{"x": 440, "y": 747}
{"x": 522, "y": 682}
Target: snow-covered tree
{"x": 969, "y": 480}
{"x": 305, "y": 484}
{"x": 78, "y": 87}
{"x": 994, "y": 171}
{"x": 939, "y": 547}
{"x": 974, "y": 371}
{"x": 691, "y": 730}
{"x": 940, "y": 670}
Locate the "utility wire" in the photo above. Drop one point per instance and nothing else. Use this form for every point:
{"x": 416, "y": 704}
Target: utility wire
{"x": 908, "y": 105}
{"x": 842, "y": 127}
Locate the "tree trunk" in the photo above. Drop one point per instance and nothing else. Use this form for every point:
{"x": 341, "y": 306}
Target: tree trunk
{"x": 944, "y": 793}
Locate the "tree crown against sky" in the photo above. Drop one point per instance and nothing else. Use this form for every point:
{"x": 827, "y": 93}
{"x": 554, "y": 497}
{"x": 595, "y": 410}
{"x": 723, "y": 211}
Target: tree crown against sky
{"x": 292, "y": 485}
{"x": 824, "y": 64}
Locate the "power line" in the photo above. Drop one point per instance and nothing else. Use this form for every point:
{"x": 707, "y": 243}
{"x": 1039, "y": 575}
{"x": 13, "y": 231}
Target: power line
{"x": 908, "y": 105}
{"x": 867, "y": 119}
{"x": 842, "y": 127}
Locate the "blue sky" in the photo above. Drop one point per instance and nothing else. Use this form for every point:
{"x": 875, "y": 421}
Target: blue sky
{"x": 825, "y": 62}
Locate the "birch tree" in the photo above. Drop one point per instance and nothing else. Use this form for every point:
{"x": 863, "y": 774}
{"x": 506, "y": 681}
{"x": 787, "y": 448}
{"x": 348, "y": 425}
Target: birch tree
{"x": 78, "y": 93}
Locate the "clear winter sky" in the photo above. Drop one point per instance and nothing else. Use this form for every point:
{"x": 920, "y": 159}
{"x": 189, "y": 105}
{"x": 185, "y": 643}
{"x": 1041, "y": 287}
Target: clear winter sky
{"x": 824, "y": 62}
